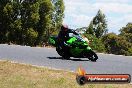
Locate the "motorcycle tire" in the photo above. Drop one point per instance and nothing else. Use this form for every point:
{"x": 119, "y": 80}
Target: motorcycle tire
{"x": 92, "y": 56}
{"x": 62, "y": 53}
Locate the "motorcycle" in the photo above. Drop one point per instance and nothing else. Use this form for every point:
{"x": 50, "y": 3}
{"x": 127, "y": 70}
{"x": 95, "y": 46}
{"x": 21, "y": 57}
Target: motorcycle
{"x": 78, "y": 48}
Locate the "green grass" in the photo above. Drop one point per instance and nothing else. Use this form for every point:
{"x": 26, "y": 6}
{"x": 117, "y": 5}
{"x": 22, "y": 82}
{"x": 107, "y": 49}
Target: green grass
{"x": 15, "y": 75}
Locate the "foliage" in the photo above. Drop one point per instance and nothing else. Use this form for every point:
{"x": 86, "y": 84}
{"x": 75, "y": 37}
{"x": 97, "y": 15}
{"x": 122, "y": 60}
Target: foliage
{"x": 116, "y": 44}
{"x": 98, "y": 25}
{"x": 31, "y": 36}
{"x": 29, "y": 22}
{"x": 5, "y": 8}
{"x": 127, "y": 32}
{"x": 95, "y": 43}
{"x": 90, "y": 29}
{"x": 57, "y": 15}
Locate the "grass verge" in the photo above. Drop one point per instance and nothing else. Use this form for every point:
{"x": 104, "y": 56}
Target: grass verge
{"x": 15, "y": 75}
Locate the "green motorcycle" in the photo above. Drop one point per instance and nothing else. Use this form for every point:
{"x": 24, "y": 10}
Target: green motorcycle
{"x": 78, "y": 48}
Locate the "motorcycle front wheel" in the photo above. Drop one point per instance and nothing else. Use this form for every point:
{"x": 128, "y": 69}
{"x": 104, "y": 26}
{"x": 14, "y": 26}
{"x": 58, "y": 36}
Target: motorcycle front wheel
{"x": 92, "y": 56}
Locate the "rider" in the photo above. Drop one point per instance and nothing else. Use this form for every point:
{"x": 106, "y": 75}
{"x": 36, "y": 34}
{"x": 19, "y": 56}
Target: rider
{"x": 63, "y": 36}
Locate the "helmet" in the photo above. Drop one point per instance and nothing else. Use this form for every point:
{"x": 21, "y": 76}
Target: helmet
{"x": 64, "y": 27}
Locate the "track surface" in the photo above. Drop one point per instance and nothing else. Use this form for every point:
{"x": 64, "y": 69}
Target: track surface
{"x": 48, "y": 57}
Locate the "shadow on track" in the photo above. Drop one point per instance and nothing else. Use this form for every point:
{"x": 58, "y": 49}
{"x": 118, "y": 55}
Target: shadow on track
{"x": 76, "y": 59}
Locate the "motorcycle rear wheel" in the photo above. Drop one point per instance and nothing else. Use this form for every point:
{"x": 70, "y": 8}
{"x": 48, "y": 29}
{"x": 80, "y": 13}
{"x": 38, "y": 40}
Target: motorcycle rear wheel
{"x": 59, "y": 51}
{"x": 62, "y": 53}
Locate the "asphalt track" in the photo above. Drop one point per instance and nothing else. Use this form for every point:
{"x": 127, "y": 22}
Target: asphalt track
{"x": 106, "y": 64}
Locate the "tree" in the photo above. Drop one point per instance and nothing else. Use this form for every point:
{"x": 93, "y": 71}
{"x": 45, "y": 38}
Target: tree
{"x": 52, "y": 20}
{"x": 127, "y": 32}
{"x": 29, "y": 22}
{"x": 45, "y": 22}
{"x": 5, "y": 11}
{"x": 90, "y": 29}
{"x": 15, "y": 26}
{"x": 30, "y": 18}
{"x": 116, "y": 44}
{"x": 98, "y": 25}
{"x": 57, "y": 15}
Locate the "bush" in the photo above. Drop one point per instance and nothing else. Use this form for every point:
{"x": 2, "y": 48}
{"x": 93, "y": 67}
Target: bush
{"x": 95, "y": 43}
{"x": 116, "y": 44}
{"x": 31, "y": 37}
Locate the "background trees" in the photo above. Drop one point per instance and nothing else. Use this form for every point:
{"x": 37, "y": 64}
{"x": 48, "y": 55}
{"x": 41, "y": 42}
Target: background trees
{"x": 57, "y": 15}
{"x": 119, "y": 44}
{"x": 5, "y": 11}
{"x": 127, "y": 32}
{"x": 98, "y": 25}
{"x": 96, "y": 29}
{"x": 102, "y": 41}
{"x": 95, "y": 43}
{"x": 29, "y": 22}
